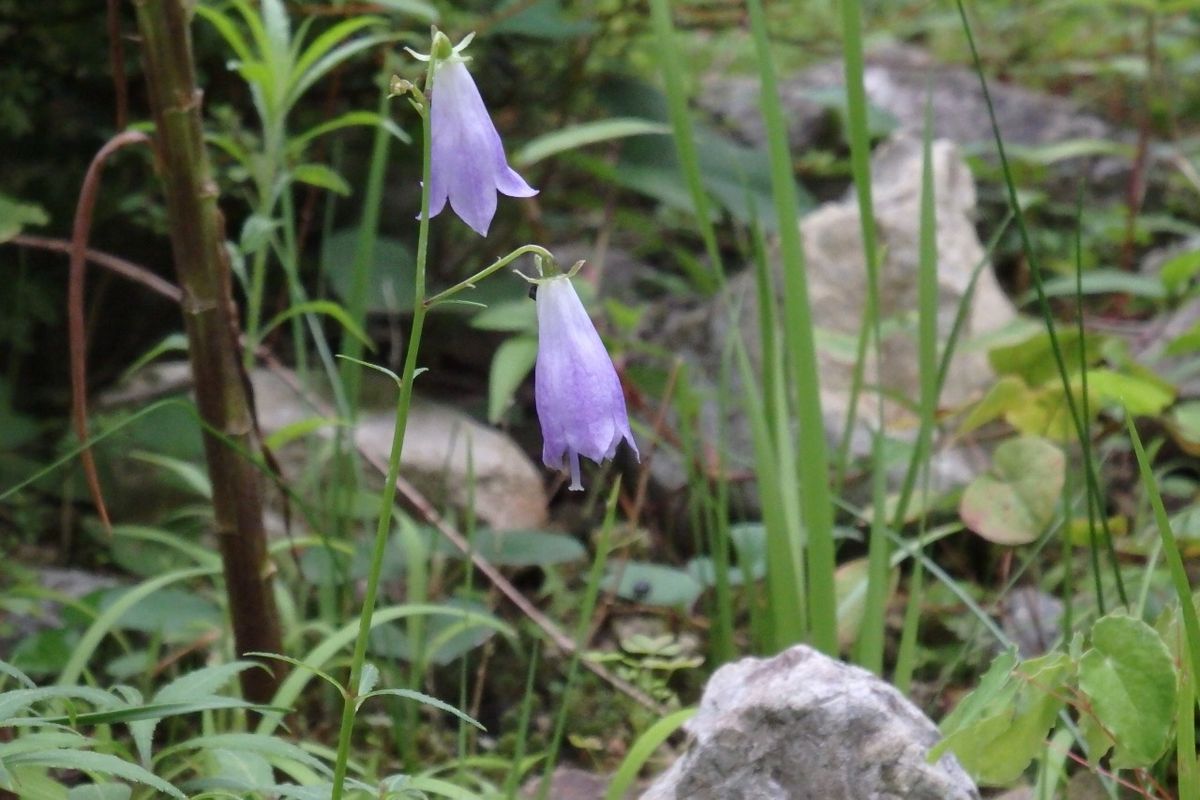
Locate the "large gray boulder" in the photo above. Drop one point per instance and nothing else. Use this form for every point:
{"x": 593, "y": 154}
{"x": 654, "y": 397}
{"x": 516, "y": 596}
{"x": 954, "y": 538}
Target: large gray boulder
{"x": 801, "y": 726}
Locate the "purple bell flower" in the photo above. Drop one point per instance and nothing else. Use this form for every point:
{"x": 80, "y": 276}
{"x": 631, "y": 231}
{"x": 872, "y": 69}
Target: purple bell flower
{"x": 576, "y": 389}
{"x": 467, "y": 163}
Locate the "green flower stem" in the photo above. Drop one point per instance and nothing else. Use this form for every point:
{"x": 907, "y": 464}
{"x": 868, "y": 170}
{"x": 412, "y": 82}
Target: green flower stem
{"x": 388, "y": 496}
{"x": 470, "y": 282}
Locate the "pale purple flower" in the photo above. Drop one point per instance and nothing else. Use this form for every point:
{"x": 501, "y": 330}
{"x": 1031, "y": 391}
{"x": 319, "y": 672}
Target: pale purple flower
{"x": 577, "y": 392}
{"x": 467, "y": 164}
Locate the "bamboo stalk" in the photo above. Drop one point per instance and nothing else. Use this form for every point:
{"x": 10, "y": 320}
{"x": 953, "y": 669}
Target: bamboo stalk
{"x": 197, "y": 241}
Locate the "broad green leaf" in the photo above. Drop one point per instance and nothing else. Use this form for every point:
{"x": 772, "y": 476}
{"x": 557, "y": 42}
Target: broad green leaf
{"x": 511, "y": 364}
{"x": 1015, "y": 502}
{"x": 584, "y": 134}
{"x": 1006, "y": 394}
{"x": 321, "y": 176}
{"x": 653, "y": 584}
{"x": 17, "y": 701}
{"x": 1184, "y": 424}
{"x": 1177, "y": 271}
{"x": 256, "y": 233}
{"x": 1139, "y": 395}
{"x": 15, "y": 215}
{"x": 998, "y": 729}
{"x": 390, "y": 277}
{"x": 1130, "y": 679}
{"x": 1032, "y": 359}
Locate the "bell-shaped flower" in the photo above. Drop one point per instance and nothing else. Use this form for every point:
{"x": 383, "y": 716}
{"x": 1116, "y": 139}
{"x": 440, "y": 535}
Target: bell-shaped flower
{"x": 578, "y": 395}
{"x": 467, "y": 163}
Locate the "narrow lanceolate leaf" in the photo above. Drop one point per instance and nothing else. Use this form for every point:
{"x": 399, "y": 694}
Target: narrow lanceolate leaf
{"x": 1129, "y": 677}
{"x": 87, "y": 761}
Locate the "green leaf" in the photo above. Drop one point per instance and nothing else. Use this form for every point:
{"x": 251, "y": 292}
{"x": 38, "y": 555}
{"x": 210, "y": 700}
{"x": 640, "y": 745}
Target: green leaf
{"x": 100, "y": 791}
{"x": 423, "y": 699}
{"x": 17, "y": 675}
{"x": 1177, "y": 271}
{"x": 1139, "y": 395}
{"x": 15, "y": 215}
{"x": 321, "y": 176}
{"x": 584, "y": 134}
{"x": 277, "y": 751}
{"x": 1102, "y": 281}
{"x": 641, "y": 750}
{"x": 1006, "y": 394}
{"x": 1015, "y": 502}
{"x": 326, "y": 307}
{"x": 1129, "y": 676}
{"x": 998, "y": 729}
{"x": 368, "y": 679}
{"x": 390, "y": 277}
{"x": 190, "y": 476}
{"x": 299, "y": 429}
{"x": 240, "y": 770}
{"x": 104, "y": 763}
{"x": 512, "y": 363}
{"x": 424, "y": 12}
{"x": 653, "y": 584}
{"x": 520, "y": 548}
{"x": 1032, "y": 359}
{"x": 541, "y": 19}
{"x": 298, "y": 143}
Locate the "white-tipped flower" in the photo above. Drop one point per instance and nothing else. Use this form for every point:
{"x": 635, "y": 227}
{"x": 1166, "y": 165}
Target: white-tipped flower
{"x": 578, "y": 395}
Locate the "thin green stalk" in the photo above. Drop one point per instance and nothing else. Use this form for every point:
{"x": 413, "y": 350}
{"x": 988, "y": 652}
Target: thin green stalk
{"x": 1035, "y": 272}
{"x": 860, "y": 168}
{"x": 1187, "y": 767}
{"x": 470, "y": 282}
{"x": 813, "y": 466}
{"x": 591, "y": 593}
{"x": 1085, "y": 444}
{"x": 1179, "y": 577}
{"x": 685, "y": 143}
{"x": 387, "y": 497}
{"x": 927, "y": 359}
{"x": 513, "y": 779}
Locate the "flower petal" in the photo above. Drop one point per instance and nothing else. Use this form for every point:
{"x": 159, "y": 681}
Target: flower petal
{"x": 576, "y": 389}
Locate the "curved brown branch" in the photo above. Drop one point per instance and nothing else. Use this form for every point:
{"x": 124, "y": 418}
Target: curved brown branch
{"x": 75, "y": 324}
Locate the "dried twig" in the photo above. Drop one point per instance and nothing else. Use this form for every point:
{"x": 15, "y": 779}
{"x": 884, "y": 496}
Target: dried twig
{"x": 75, "y": 322}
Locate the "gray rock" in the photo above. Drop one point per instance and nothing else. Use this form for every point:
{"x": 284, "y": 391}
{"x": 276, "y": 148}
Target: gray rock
{"x": 897, "y": 79}
{"x": 569, "y": 783}
{"x": 1032, "y": 619}
{"x": 837, "y": 288}
{"x": 509, "y": 492}
{"x": 509, "y": 489}
{"x": 802, "y": 726}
